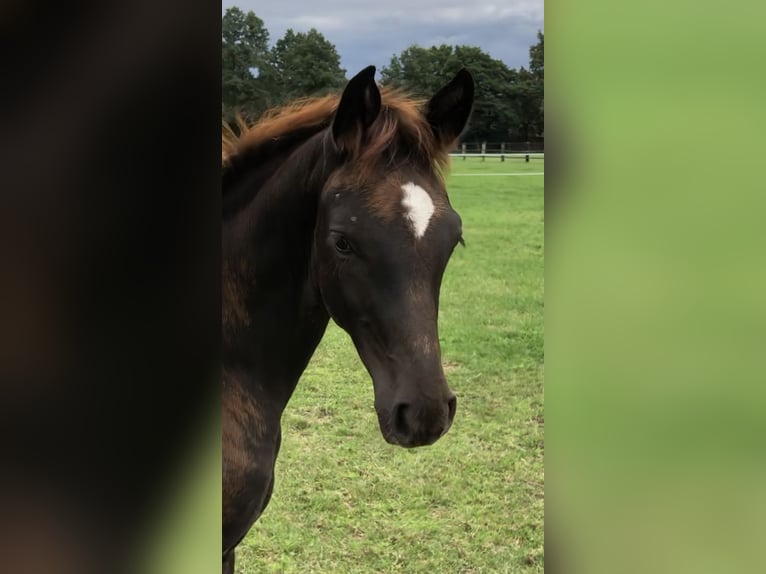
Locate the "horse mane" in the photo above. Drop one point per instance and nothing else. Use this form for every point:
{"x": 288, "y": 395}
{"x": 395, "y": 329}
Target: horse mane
{"x": 401, "y": 127}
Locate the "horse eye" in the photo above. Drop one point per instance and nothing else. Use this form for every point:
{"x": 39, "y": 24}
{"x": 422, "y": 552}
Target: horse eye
{"x": 343, "y": 246}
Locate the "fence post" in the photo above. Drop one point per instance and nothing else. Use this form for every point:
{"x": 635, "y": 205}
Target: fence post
{"x": 502, "y": 151}
{"x": 483, "y": 150}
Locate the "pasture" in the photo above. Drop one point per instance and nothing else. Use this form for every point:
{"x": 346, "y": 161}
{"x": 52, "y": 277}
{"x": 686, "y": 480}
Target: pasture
{"x": 346, "y": 501}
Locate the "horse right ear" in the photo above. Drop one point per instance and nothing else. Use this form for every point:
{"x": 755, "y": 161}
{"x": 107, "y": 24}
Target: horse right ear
{"x": 448, "y": 110}
{"x": 359, "y": 106}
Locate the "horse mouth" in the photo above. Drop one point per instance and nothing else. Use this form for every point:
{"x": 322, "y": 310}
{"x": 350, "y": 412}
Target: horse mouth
{"x": 418, "y": 440}
{"x": 414, "y": 443}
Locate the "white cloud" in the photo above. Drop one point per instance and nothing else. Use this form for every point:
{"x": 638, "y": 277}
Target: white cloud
{"x": 323, "y": 24}
{"x": 370, "y": 33}
{"x": 523, "y": 10}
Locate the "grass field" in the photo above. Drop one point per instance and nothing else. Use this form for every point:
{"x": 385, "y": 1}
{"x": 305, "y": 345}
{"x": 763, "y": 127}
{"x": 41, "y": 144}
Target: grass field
{"x": 346, "y": 501}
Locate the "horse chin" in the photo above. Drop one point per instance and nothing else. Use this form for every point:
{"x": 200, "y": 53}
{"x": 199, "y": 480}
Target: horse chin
{"x": 391, "y": 439}
{"x": 384, "y": 418}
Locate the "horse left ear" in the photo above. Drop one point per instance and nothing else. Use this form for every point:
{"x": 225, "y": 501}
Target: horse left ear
{"x": 448, "y": 110}
{"x": 359, "y": 106}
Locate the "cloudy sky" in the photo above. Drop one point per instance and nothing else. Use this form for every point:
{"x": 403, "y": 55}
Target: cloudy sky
{"x": 367, "y": 32}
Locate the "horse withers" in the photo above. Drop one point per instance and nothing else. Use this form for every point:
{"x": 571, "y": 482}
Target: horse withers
{"x": 334, "y": 207}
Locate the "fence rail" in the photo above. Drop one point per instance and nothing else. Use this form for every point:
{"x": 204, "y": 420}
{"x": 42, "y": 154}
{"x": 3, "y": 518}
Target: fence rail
{"x": 527, "y": 150}
{"x": 501, "y": 147}
{"x": 526, "y": 156}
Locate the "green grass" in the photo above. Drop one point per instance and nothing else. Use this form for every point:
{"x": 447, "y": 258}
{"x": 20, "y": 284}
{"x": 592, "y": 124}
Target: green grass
{"x": 346, "y": 501}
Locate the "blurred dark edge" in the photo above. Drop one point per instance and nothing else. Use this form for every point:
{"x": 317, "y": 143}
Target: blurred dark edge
{"x": 557, "y": 173}
{"x": 557, "y": 157}
{"x": 109, "y": 271}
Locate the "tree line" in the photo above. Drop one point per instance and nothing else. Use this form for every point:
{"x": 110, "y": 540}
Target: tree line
{"x": 257, "y": 76}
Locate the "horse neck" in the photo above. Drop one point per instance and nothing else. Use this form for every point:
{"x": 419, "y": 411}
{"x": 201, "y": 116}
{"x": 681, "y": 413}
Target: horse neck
{"x": 280, "y": 317}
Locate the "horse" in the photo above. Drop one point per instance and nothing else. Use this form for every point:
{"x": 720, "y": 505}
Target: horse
{"x": 334, "y": 207}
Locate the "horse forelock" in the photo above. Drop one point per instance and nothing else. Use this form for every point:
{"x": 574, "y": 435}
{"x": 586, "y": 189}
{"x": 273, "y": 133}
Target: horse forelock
{"x": 400, "y": 130}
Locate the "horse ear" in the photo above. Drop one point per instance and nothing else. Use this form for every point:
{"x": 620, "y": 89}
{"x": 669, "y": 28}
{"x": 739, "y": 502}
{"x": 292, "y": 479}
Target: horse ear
{"x": 359, "y": 106}
{"x": 448, "y": 110}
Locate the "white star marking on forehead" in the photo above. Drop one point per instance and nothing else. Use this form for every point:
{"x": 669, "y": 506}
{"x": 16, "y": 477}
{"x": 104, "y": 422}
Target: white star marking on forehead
{"x": 419, "y": 207}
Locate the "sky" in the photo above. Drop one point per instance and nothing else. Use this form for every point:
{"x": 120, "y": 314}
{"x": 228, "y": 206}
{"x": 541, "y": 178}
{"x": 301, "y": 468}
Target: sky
{"x": 369, "y": 33}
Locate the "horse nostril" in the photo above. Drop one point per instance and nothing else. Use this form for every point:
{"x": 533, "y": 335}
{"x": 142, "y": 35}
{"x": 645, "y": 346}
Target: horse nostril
{"x": 401, "y": 426}
{"x": 452, "y": 406}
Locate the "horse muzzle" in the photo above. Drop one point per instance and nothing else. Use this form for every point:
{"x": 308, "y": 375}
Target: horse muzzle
{"x": 417, "y": 423}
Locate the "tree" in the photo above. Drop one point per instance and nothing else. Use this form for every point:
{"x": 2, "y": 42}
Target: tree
{"x": 537, "y": 68}
{"x": 424, "y": 70}
{"x": 244, "y": 50}
{"x": 526, "y": 105}
{"x": 537, "y": 57}
{"x": 421, "y": 70}
{"x": 304, "y": 64}
{"x": 508, "y": 102}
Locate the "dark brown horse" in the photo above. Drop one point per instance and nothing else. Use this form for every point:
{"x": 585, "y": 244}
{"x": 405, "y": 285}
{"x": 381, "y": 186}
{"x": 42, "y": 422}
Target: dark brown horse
{"x": 334, "y": 207}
